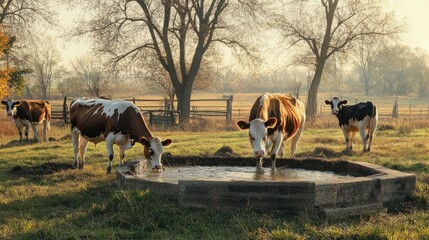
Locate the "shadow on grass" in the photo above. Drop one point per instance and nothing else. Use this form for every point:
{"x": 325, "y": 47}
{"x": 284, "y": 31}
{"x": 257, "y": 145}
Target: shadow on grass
{"x": 323, "y": 152}
{"x": 38, "y": 172}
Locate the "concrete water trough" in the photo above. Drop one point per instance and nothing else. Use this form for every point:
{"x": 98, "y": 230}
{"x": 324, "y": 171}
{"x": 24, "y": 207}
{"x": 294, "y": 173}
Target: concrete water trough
{"x": 333, "y": 189}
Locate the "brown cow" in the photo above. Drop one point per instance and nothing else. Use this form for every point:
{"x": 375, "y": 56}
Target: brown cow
{"x": 28, "y": 113}
{"x": 116, "y": 122}
{"x": 274, "y": 118}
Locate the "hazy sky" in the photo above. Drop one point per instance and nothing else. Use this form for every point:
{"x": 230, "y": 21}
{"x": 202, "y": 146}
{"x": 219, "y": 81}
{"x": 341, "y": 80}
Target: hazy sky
{"x": 415, "y": 13}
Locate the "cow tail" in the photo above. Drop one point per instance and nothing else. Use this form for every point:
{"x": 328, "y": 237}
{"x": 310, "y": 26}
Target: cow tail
{"x": 370, "y": 121}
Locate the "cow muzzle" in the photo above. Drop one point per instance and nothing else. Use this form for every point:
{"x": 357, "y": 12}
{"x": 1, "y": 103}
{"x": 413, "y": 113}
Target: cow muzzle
{"x": 260, "y": 153}
{"x": 334, "y": 112}
{"x": 9, "y": 114}
{"x": 157, "y": 168}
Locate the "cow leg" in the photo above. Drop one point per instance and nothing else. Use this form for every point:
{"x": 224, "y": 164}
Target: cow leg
{"x": 363, "y": 137}
{"x": 277, "y": 142}
{"x": 121, "y": 154}
{"x": 75, "y": 136}
{"x": 346, "y": 137}
{"x": 109, "y": 145}
{"x": 27, "y": 131}
{"x": 35, "y": 131}
{"x": 352, "y": 137}
{"x": 372, "y": 127}
{"x": 295, "y": 140}
{"x": 83, "y": 143}
{"x": 20, "y": 132}
{"x": 45, "y": 128}
{"x": 281, "y": 150}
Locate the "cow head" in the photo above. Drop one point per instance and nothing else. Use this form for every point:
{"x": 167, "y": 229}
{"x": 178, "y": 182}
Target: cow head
{"x": 11, "y": 106}
{"x": 153, "y": 150}
{"x": 258, "y": 133}
{"x": 336, "y": 105}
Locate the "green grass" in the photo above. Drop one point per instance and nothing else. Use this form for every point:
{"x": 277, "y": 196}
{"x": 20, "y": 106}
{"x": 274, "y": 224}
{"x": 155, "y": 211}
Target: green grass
{"x": 86, "y": 204}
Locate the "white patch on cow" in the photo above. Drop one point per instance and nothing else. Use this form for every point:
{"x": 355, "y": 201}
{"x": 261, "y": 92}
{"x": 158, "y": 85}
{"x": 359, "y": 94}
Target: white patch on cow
{"x": 258, "y": 134}
{"x": 335, "y": 108}
{"x": 263, "y": 99}
{"x": 108, "y": 107}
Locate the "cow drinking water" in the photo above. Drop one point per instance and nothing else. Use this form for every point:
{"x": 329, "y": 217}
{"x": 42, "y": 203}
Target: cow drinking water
{"x": 361, "y": 117}
{"x": 116, "y": 122}
{"x": 274, "y": 118}
{"x": 29, "y": 113}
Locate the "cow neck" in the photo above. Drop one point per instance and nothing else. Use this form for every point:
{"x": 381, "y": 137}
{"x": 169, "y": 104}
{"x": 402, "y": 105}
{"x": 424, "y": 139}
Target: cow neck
{"x": 340, "y": 116}
{"x": 142, "y": 130}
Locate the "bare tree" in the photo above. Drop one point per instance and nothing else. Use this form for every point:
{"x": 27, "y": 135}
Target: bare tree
{"x": 44, "y": 62}
{"x": 179, "y": 33}
{"x": 93, "y": 75}
{"x": 19, "y": 17}
{"x": 364, "y": 54}
{"x": 21, "y": 13}
{"x": 330, "y": 27}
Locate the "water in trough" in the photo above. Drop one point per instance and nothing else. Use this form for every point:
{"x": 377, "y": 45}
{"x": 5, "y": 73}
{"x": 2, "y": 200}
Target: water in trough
{"x": 235, "y": 173}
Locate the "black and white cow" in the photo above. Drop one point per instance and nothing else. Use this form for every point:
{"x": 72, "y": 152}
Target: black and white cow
{"x": 360, "y": 117}
{"x": 116, "y": 122}
{"x": 29, "y": 113}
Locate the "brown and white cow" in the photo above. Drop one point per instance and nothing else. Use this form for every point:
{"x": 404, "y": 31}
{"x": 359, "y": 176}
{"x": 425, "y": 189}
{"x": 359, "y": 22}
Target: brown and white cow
{"x": 362, "y": 117}
{"x": 29, "y": 113}
{"x": 274, "y": 118}
{"x": 116, "y": 122}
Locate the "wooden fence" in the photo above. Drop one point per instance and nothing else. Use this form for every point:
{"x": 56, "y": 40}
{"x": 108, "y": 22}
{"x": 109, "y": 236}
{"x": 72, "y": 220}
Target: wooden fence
{"x": 159, "y": 111}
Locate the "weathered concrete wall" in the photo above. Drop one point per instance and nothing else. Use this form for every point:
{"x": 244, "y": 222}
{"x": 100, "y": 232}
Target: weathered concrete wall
{"x": 262, "y": 195}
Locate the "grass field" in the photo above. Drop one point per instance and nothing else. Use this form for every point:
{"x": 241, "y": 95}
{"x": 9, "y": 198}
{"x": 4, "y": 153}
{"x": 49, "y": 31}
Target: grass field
{"x": 86, "y": 204}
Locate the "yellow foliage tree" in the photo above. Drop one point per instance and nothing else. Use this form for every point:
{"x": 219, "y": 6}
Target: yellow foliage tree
{"x": 4, "y": 71}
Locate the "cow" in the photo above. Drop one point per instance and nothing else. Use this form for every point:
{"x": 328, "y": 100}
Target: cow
{"x": 274, "y": 119}
{"x": 29, "y": 113}
{"x": 115, "y": 122}
{"x": 362, "y": 117}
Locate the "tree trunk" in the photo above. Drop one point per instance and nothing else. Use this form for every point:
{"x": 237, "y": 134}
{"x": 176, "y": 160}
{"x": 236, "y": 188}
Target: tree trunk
{"x": 184, "y": 103}
{"x": 311, "y": 108}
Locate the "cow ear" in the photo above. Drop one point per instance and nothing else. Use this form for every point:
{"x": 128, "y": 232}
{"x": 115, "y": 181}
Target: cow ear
{"x": 243, "y": 125}
{"x": 17, "y": 103}
{"x": 344, "y": 102}
{"x": 271, "y": 122}
{"x": 327, "y": 102}
{"x": 144, "y": 141}
{"x": 3, "y": 102}
{"x": 167, "y": 142}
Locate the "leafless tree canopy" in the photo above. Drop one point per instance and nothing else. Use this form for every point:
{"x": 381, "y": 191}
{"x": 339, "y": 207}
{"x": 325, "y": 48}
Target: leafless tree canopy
{"x": 328, "y": 27}
{"x": 179, "y": 33}
{"x": 44, "y": 60}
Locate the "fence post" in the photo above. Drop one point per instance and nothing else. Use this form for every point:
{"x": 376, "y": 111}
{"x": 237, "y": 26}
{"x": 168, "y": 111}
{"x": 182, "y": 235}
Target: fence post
{"x": 229, "y": 108}
{"x": 395, "y": 109}
{"x": 65, "y": 111}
